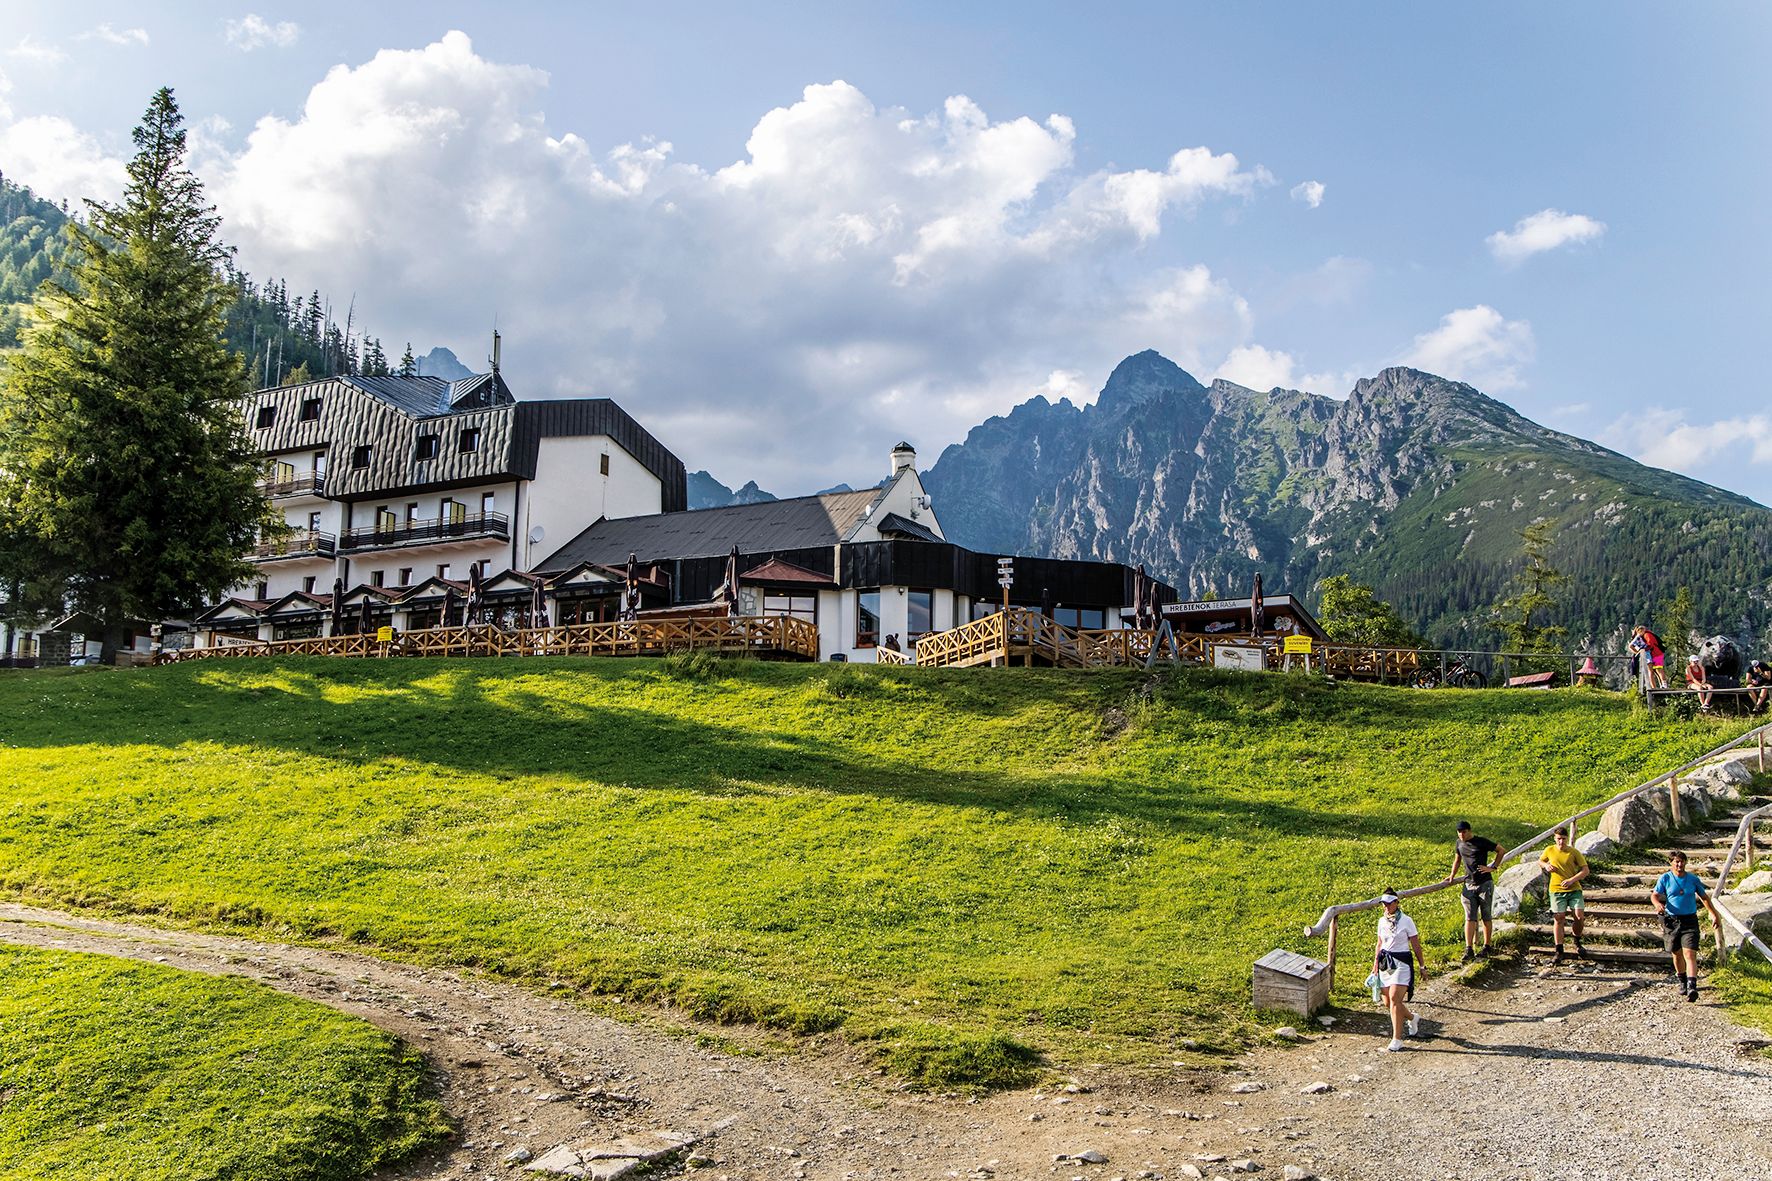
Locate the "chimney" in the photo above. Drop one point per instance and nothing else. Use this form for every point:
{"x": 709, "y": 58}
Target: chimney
{"x": 903, "y": 456}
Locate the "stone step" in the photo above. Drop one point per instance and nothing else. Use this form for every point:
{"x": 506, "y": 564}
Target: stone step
{"x": 1638, "y": 893}
{"x": 1602, "y": 953}
{"x": 1615, "y": 936}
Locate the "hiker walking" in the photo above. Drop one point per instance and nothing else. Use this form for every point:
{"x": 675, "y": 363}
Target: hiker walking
{"x": 1394, "y": 963}
{"x": 1472, "y": 853}
{"x": 1567, "y": 869}
{"x": 1676, "y": 897}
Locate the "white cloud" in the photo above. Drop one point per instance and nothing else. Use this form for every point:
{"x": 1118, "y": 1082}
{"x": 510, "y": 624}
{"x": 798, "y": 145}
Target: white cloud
{"x": 1258, "y": 368}
{"x": 112, "y": 36}
{"x": 31, "y": 50}
{"x": 1310, "y": 192}
{"x": 1475, "y": 345}
{"x": 254, "y": 32}
{"x": 1545, "y": 230}
{"x": 58, "y": 160}
{"x": 1663, "y": 438}
{"x": 5, "y": 89}
{"x": 858, "y": 272}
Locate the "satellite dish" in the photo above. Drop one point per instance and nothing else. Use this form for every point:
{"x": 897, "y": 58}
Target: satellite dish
{"x": 536, "y": 534}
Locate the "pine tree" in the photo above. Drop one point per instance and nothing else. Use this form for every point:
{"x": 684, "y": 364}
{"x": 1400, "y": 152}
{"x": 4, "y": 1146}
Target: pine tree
{"x": 1522, "y": 616}
{"x": 124, "y": 463}
{"x": 1674, "y": 622}
{"x": 408, "y": 366}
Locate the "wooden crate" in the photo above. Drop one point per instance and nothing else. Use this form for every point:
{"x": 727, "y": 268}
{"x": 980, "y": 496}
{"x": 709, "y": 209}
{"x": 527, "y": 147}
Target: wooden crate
{"x": 1287, "y": 980}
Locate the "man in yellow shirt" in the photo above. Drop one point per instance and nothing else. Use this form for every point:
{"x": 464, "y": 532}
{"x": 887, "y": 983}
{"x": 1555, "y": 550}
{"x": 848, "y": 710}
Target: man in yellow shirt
{"x": 1568, "y": 869}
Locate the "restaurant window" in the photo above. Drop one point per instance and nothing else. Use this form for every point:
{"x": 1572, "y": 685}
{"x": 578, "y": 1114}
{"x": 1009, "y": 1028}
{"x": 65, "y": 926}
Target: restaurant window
{"x": 267, "y": 415}
{"x": 919, "y": 614}
{"x": 360, "y": 456}
{"x": 984, "y": 607}
{"x": 307, "y": 584}
{"x": 406, "y": 576}
{"x": 310, "y": 410}
{"x": 427, "y": 447}
{"x": 867, "y": 618}
{"x": 470, "y": 440}
{"x": 378, "y": 578}
{"x": 603, "y": 463}
{"x": 1092, "y": 618}
{"x": 788, "y": 603}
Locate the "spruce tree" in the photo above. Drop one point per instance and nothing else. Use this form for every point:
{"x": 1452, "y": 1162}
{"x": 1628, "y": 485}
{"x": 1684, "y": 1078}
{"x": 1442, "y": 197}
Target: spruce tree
{"x": 1523, "y": 615}
{"x": 124, "y": 464}
{"x": 408, "y": 366}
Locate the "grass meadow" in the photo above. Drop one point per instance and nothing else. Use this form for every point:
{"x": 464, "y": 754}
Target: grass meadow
{"x": 136, "y": 1072}
{"x": 970, "y": 872}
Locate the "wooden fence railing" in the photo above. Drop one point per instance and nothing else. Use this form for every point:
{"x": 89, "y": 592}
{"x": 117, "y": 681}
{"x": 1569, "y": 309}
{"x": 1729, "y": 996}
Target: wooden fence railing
{"x": 747, "y": 635}
{"x": 1329, "y": 922}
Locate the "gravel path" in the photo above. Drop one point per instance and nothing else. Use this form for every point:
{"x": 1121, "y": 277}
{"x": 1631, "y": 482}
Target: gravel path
{"x": 1584, "y": 1073}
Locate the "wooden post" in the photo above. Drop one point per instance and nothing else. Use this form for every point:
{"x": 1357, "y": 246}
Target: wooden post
{"x": 1673, "y": 798}
{"x": 1334, "y": 925}
{"x": 1750, "y": 846}
{"x": 1762, "y": 750}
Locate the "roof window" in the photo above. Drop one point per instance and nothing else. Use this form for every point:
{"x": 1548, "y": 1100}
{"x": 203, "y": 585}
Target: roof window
{"x": 267, "y": 416}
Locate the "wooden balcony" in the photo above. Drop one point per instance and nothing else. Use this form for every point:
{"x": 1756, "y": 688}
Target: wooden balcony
{"x": 304, "y": 544}
{"x": 466, "y": 527}
{"x": 300, "y": 484}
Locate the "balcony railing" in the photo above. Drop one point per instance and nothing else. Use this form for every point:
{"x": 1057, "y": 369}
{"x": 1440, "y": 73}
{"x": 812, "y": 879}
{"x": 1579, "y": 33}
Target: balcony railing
{"x": 305, "y": 544}
{"x": 300, "y": 484}
{"x": 467, "y": 526}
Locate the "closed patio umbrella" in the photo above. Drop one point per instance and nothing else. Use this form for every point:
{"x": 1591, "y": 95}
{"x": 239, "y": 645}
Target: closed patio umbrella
{"x": 365, "y": 620}
{"x": 338, "y": 606}
{"x": 729, "y": 588}
{"x": 1140, "y": 598}
{"x": 1255, "y": 613}
{"x": 630, "y": 595}
{"x": 448, "y": 607}
{"x": 538, "y": 612}
{"x": 476, "y": 602}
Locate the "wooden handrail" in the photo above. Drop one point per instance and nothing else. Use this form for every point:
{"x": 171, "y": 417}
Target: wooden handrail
{"x": 1331, "y": 914}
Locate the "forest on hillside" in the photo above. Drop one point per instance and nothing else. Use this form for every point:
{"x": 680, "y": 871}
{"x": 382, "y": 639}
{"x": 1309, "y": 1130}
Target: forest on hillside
{"x": 282, "y": 340}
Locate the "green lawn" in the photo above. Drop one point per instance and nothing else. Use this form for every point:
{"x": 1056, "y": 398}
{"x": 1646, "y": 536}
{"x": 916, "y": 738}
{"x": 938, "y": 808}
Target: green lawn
{"x": 136, "y": 1072}
{"x": 948, "y": 865}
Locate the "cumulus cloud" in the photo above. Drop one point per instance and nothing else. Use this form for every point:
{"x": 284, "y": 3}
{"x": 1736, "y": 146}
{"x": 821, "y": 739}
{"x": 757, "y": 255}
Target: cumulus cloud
{"x": 5, "y": 89}
{"x": 1258, "y": 368}
{"x": 253, "y": 31}
{"x": 1310, "y": 192}
{"x": 32, "y": 50}
{"x": 1545, "y": 230}
{"x": 1664, "y": 438}
{"x": 113, "y": 36}
{"x": 59, "y": 161}
{"x": 1476, "y": 345}
{"x": 858, "y": 274}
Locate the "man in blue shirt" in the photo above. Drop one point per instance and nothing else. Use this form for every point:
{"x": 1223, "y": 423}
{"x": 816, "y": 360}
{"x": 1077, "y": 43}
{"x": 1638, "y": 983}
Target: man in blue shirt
{"x": 1676, "y": 898}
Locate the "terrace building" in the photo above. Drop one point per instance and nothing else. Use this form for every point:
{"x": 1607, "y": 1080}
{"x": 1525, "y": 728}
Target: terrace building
{"x": 390, "y": 482}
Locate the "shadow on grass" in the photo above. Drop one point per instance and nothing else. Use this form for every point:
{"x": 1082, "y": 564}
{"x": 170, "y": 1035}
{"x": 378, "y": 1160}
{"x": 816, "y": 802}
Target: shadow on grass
{"x": 495, "y": 719}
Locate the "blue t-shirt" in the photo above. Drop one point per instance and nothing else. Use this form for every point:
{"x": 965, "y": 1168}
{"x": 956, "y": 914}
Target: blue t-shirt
{"x": 1682, "y": 891}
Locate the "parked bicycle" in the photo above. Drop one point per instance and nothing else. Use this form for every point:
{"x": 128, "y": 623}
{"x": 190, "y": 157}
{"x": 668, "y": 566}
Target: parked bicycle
{"x": 1458, "y": 675}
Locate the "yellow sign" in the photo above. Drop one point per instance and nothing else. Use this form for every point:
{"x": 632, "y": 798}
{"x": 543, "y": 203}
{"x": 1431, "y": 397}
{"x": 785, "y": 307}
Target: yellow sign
{"x": 1297, "y": 645}
{"x": 384, "y": 635}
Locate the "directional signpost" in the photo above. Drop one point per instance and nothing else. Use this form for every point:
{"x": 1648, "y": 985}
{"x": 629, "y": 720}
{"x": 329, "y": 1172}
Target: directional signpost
{"x": 1005, "y": 579}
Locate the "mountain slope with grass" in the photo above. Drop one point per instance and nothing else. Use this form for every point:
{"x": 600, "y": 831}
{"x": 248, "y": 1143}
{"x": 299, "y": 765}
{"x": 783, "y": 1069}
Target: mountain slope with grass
{"x": 1414, "y": 484}
{"x": 965, "y": 872}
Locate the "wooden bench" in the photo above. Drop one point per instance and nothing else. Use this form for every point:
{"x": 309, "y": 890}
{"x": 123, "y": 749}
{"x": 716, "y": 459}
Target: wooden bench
{"x": 1532, "y": 681}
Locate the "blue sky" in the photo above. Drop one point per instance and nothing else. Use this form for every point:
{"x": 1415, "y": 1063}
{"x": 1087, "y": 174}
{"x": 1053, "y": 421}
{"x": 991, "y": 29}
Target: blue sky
{"x": 871, "y": 225}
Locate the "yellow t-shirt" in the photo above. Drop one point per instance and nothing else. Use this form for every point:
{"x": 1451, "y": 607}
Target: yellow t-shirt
{"x": 1564, "y": 863}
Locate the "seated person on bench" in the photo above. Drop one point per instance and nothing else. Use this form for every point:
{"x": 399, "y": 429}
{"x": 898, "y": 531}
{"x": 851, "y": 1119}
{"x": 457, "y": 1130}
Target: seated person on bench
{"x": 1758, "y": 682}
{"x": 1695, "y": 679}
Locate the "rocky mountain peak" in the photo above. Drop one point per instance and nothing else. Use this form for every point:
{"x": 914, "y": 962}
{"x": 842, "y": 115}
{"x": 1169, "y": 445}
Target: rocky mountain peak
{"x": 1144, "y": 376}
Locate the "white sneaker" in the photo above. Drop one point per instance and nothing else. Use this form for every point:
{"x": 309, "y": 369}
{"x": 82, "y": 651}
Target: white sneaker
{"x": 1415, "y": 1026}
{"x": 1395, "y": 1045}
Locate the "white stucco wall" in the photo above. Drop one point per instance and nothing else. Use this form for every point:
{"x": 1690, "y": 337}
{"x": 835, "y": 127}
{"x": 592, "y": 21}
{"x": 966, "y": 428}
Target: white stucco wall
{"x": 901, "y": 498}
{"x": 570, "y": 492}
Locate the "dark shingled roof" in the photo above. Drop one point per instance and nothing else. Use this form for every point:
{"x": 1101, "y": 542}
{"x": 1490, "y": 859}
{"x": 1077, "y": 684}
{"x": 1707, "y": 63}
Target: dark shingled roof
{"x": 425, "y": 396}
{"x": 892, "y": 523}
{"x": 803, "y": 522}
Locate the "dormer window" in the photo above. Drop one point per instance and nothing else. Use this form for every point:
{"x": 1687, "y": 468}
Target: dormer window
{"x": 310, "y": 410}
{"x": 470, "y": 440}
{"x": 267, "y": 416}
{"x": 427, "y": 447}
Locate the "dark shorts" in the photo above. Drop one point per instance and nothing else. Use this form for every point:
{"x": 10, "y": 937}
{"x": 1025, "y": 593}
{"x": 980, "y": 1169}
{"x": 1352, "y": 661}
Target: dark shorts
{"x": 1679, "y": 930}
{"x": 1479, "y": 902}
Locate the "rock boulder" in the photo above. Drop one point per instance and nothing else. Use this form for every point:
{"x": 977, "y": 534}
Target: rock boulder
{"x": 1528, "y": 877}
{"x": 1595, "y": 845}
{"x": 1633, "y": 821}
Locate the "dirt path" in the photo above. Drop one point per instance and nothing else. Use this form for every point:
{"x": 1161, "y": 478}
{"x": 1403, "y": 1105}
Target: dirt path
{"x": 1623, "y": 1079}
